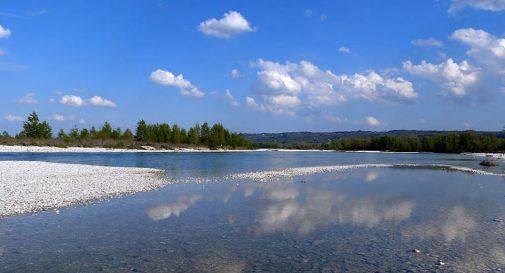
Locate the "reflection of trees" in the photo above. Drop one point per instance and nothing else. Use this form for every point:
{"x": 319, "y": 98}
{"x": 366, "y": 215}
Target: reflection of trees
{"x": 284, "y": 211}
{"x": 161, "y": 212}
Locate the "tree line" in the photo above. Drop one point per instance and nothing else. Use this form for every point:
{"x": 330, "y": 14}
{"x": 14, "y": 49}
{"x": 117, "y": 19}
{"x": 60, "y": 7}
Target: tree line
{"x": 163, "y": 134}
{"x": 453, "y": 142}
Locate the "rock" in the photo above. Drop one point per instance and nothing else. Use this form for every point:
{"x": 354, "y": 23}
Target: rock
{"x": 488, "y": 163}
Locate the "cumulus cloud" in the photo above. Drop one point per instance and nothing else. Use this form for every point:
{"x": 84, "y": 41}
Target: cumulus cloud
{"x": 371, "y": 121}
{"x": 344, "y": 50}
{"x": 167, "y": 78}
{"x": 488, "y": 5}
{"x": 230, "y": 98}
{"x": 72, "y": 100}
{"x": 28, "y": 99}
{"x": 455, "y": 77}
{"x": 77, "y": 101}
{"x": 13, "y": 118}
{"x": 290, "y": 87}
{"x": 4, "y": 32}
{"x": 485, "y": 48}
{"x": 99, "y": 101}
{"x": 428, "y": 42}
{"x": 231, "y": 24}
{"x": 61, "y": 118}
{"x": 164, "y": 211}
{"x": 284, "y": 210}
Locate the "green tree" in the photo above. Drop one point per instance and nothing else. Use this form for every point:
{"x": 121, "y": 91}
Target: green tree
{"x": 84, "y": 135}
{"x": 194, "y": 135}
{"x": 116, "y": 133}
{"x": 62, "y": 135}
{"x": 176, "y": 134}
{"x": 128, "y": 135}
{"x": 74, "y": 133}
{"x": 105, "y": 132}
{"x": 33, "y": 128}
{"x": 205, "y": 134}
{"x": 141, "y": 131}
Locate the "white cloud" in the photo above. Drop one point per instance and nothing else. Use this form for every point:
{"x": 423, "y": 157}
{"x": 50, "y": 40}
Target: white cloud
{"x": 77, "y": 101}
{"x": 58, "y": 117}
{"x": 167, "y": 78}
{"x": 489, "y": 5}
{"x": 4, "y": 32}
{"x": 485, "y": 48}
{"x": 28, "y": 99}
{"x": 99, "y": 101}
{"x": 231, "y": 24}
{"x": 177, "y": 208}
{"x": 13, "y": 118}
{"x": 344, "y": 50}
{"x": 332, "y": 118}
{"x": 290, "y": 87}
{"x": 235, "y": 73}
{"x": 231, "y": 99}
{"x": 428, "y": 42}
{"x": 72, "y": 100}
{"x": 371, "y": 121}
{"x": 455, "y": 77}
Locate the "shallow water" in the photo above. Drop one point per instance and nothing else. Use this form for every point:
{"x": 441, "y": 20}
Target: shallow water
{"x": 361, "y": 220}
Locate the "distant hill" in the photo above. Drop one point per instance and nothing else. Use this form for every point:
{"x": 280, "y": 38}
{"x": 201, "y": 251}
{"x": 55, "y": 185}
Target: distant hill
{"x": 323, "y": 137}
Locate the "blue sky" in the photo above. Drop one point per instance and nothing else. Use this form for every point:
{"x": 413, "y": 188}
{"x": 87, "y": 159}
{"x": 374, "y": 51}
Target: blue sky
{"x": 255, "y": 66}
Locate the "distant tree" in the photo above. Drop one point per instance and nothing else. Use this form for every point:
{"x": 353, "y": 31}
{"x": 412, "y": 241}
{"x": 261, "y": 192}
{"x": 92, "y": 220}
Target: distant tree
{"x": 176, "y": 134}
{"x": 33, "y": 128}
{"x": 116, "y": 133}
{"x": 93, "y": 133}
{"x": 128, "y": 135}
{"x": 141, "y": 131}
{"x": 164, "y": 132}
{"x": 194, "y": 135}
{"x": 5, "y": 134}
{"x": 205, "y": 134}
{"x": 105, "y": 132}
{"x": 84, "y": 135}
{"x": 74, "y": 134}
{"x": 217, "y": 136}
{"x": 61, "y": 135}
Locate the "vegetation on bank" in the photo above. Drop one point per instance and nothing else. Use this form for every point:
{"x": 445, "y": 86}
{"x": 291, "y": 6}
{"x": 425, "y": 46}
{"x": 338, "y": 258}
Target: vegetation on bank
{"x": 161, "y": 136}
{"x": 165, "y": 136}
{"x": 452, "y": 142}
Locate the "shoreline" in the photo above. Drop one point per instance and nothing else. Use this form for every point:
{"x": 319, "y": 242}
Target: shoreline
{"x": 149, "y": 149}
{"x": 32, "y": 186}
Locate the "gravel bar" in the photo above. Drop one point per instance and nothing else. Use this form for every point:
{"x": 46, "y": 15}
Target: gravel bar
{"x": 30, "y": 186}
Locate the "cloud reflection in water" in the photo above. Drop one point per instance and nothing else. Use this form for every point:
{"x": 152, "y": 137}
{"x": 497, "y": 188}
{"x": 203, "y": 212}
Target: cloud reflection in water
{"x": 162, "y": 212}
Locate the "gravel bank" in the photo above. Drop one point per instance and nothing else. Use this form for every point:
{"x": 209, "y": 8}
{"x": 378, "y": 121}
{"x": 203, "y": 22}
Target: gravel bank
{"x": 47, "y": 149}
{"x": 29, "y": 186}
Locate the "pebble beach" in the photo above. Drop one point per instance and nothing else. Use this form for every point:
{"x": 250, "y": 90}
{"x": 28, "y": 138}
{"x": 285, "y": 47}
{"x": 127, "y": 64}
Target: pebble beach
{"x": 30, "y": 186}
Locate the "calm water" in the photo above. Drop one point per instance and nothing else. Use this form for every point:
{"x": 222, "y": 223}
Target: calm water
{"x": 365, "y": 220}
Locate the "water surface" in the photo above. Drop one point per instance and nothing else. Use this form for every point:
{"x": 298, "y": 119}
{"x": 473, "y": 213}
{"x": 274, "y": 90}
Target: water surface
{"x": 364, "y": 220}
